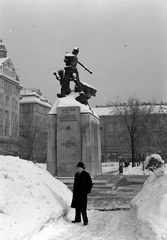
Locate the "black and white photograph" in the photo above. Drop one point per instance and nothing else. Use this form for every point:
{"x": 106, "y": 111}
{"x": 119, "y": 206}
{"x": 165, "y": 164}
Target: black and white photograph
{"x": 83, "y": 119}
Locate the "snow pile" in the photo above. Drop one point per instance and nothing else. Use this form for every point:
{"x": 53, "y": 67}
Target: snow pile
{"x": 29, "y": 197}
{"x": 135, "y": 170}
{"x": 110, "y": 167}
{"x": 114, "y": 167}
{"x": 70, "y": 101}
{"x": 153, "y": 156}
{"x": 151, "y": 203}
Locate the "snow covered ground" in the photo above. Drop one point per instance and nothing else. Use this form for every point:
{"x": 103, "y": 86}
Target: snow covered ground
{"x": 36, "y": 206}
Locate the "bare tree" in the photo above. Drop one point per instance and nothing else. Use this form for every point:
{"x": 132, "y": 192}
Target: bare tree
{"x": 32, "y": 141}
{"x": 135, "y": 116}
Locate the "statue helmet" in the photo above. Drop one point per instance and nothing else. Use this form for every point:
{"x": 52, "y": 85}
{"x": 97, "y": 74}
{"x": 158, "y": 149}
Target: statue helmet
{"x": 76, "y": 50}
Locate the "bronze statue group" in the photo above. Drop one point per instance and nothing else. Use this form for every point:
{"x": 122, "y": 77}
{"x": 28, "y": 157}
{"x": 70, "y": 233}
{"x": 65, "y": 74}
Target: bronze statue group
{"x": 70, "y": 73}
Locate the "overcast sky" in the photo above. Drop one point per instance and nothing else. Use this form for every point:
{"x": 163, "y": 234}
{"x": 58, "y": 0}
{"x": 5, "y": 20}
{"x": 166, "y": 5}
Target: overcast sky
{"x": 123, "y": 42}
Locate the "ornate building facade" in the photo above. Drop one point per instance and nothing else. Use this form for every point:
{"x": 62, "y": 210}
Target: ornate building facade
{"x": 9, "y": 104}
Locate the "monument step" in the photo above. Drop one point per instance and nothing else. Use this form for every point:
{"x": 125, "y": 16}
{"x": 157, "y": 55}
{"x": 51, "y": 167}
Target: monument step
{"x": 94, "y": 183}
{"x": 103, "y": 182}
{"x": 71, "y": 181}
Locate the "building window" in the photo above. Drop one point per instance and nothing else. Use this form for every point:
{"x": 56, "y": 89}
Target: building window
{"x": 111, "y": 127}
{"x": 1, "y": 117}
{"x": 102, "y": 141}
{"x": 1, "y": 130}
{"x": 37, "y": 108}
{"x": 1, "y": 98}
{"x": 6, "y": 130}
{"x": 108, "y": 157}
{"x": 13, "y": 120}
{"x": 15, "y": 104}
{"x": 6, "y": 123}
{"x": 13, "y": 131}
{"x": 112, "y": 141}
{"x": 7, "y": 101}
{"x": 2, "y": 86}
{"x": 6, "y": 115}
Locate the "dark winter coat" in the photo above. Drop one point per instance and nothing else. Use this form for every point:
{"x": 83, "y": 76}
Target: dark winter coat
{"x": 82, "y": 186}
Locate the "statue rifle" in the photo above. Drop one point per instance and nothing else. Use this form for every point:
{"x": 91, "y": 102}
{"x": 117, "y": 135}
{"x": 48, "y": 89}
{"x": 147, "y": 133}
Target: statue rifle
{"x": 84, "y": 67}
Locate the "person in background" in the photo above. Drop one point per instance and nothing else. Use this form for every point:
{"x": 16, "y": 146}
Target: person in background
{"x": 82, "y": 186}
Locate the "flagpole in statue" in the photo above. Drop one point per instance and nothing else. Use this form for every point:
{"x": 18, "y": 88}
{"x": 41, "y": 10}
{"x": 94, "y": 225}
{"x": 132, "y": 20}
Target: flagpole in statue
{"x": 84, "y": 67}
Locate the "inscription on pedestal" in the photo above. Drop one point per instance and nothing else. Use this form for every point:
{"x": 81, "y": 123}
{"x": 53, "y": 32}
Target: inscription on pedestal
{"x": 68, "y": 139}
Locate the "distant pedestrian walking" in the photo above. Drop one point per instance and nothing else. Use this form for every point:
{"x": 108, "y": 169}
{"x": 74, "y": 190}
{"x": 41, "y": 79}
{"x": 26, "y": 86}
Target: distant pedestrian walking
{"x": 82, "y": 186}
{"x": 120, "y": 167}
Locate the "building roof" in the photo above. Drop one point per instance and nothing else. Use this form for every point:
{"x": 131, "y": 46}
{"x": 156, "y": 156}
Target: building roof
{"x": 34, "y": 97}
{"x": 111, "y": 110}
{"x": 7, "y": 70}
{"x": 104, "y": 111}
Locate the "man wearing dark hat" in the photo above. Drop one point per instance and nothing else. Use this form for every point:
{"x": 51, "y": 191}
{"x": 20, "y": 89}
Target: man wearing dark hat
{"x": 82, "y": 186}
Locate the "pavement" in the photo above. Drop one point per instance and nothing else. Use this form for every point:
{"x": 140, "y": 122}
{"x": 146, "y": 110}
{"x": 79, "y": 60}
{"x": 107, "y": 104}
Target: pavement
{"x": 116, "y": 192}
{"x": 111, "y": 190}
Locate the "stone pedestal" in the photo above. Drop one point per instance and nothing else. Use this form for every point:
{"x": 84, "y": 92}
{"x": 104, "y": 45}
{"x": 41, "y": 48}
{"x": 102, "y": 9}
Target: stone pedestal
{"x": 73, "y": 136}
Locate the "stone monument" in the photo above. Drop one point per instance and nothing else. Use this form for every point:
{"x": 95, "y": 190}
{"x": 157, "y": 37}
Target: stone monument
{"x": 74, "y": 130}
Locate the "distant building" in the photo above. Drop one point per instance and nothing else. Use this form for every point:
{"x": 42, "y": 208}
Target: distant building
{"x": 9, "y": 104}
{"x": 113, "y": 142}
{"x": 34, "y": 110}
{"x": 112, "y": 145}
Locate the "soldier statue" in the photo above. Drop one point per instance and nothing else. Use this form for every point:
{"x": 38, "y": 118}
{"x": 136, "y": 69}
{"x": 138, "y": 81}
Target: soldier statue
{"x": 70, "y": 73}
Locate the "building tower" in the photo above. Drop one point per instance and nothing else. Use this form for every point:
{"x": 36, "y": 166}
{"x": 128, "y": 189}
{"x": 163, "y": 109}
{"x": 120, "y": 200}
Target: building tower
{"x": 3, "y": 51}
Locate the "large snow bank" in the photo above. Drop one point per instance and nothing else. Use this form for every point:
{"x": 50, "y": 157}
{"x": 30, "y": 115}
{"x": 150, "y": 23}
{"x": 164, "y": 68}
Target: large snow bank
{"x": 151, "y": 203}
{"x": 29, "y": 197}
